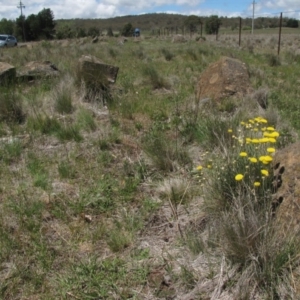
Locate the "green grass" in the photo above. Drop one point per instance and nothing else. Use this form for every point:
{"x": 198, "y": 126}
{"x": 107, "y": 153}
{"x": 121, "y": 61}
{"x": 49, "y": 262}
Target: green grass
{"x": 95, "y": 199}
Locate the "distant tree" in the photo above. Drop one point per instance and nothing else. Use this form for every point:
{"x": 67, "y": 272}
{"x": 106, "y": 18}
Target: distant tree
{"x": 7, "y": 26}
{"x": 127, "y": 30}
{"x": 40, "y": 26}
{"x": 64, "y": 32}
{"x": 20, "y": 25}
{"x": 93, "y": 31}
{"x": 212, "y": 24}
{"x": 47, "y": 24}
{"x": 292, "y": 23}
{"x": 109, "y": 32}
{"x": 192, "y": 22}
{"x": 33, "y": 28}
{"x": 80, "y": 32}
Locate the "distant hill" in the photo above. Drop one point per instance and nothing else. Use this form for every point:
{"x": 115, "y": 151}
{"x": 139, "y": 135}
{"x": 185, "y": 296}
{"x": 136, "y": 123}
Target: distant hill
{"x": 144, "y": 22}
{"x": 155, "y": 21}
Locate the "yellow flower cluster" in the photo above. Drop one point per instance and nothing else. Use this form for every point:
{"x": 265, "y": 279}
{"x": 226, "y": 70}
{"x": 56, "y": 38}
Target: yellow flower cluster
{"x": 256, "y": 135}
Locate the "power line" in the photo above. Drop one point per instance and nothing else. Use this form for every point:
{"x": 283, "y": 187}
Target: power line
{"x": 21, "y": 6}
{"x": 253, "y": 3}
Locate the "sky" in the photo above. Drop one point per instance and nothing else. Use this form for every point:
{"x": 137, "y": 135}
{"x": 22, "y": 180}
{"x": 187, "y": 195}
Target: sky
{"x": 70, "y": 9}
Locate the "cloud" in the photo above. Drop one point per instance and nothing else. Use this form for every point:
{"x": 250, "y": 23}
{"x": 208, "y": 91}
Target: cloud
{"x": 282, "y": 4}
{"x": 69, "y": 9}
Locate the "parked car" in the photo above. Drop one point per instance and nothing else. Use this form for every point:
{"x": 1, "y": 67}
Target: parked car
{"x": 8, "y": 40}
{"x": 136, "y": 32}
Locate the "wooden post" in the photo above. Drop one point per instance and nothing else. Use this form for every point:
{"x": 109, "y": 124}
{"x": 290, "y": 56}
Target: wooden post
{"x": 279, "y": 39}
{"x": 240, "y": 32}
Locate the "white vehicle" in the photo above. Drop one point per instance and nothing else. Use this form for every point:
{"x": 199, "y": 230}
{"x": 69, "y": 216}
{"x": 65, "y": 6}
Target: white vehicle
{"x": 8, "y": 40}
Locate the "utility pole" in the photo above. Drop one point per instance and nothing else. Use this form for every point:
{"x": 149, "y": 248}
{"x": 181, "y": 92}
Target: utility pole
{"x": 21, "y": 6}
{"x": 253, "y": 10}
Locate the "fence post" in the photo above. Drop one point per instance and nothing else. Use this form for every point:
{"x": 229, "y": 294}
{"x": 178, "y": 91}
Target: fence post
{"x": 240, "y": 32}
{"x": 279, "y": 39}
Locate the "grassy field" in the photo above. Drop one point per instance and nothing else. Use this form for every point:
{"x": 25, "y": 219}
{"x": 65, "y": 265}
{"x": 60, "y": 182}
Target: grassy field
{"x": 137, "y": 198}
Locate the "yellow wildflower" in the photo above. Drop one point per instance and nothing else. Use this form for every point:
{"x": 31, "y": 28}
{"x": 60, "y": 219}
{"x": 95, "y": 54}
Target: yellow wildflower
{"x": 265, "y": 172}
{"x": 274, "y": 134}
{"x": 264, "y": 140}
{"x": 243, "y": 154}
{"x": 256, "y": 183}
{"x": 270, "y": 149}
{"x": 253, "y": 159}
{"x": 239, "y": 177}
{"x": 262, "y": 120}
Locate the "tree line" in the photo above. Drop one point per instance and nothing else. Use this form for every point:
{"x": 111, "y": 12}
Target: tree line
{"x": 42, "y": 26}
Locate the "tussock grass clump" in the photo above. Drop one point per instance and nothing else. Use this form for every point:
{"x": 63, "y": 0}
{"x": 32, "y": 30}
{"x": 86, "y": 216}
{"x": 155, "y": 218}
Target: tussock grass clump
{"x": 273, "y": 60}
{"x": 44, "y": 124}
{"x": 139, "y": 53}
{"x": 11, "y": 109}
{"x": 66, "y": 170}
{"x": 165, "y": 153}
{"x": 85, "y": 120}
{"x": 11, "y": 150}
{"x": 176, "y": 190}
{"x": 208, "y": 130}
{"x": 69, "y": 132}
{"x": 156, "y": 80}
{"x": 192, "y": 54}
{"x": 63, "y": 95}
{"x": 168, "y": 55}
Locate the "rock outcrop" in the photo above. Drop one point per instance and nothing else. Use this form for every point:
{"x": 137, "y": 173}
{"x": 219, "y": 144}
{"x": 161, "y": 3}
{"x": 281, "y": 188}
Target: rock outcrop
{"x": 287, "y": 180}
{"x": 7, "y": 73}
{"x": 37, "y": 69}
{"x": 225, "y": 78}
{"x": 95, "y": 73}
